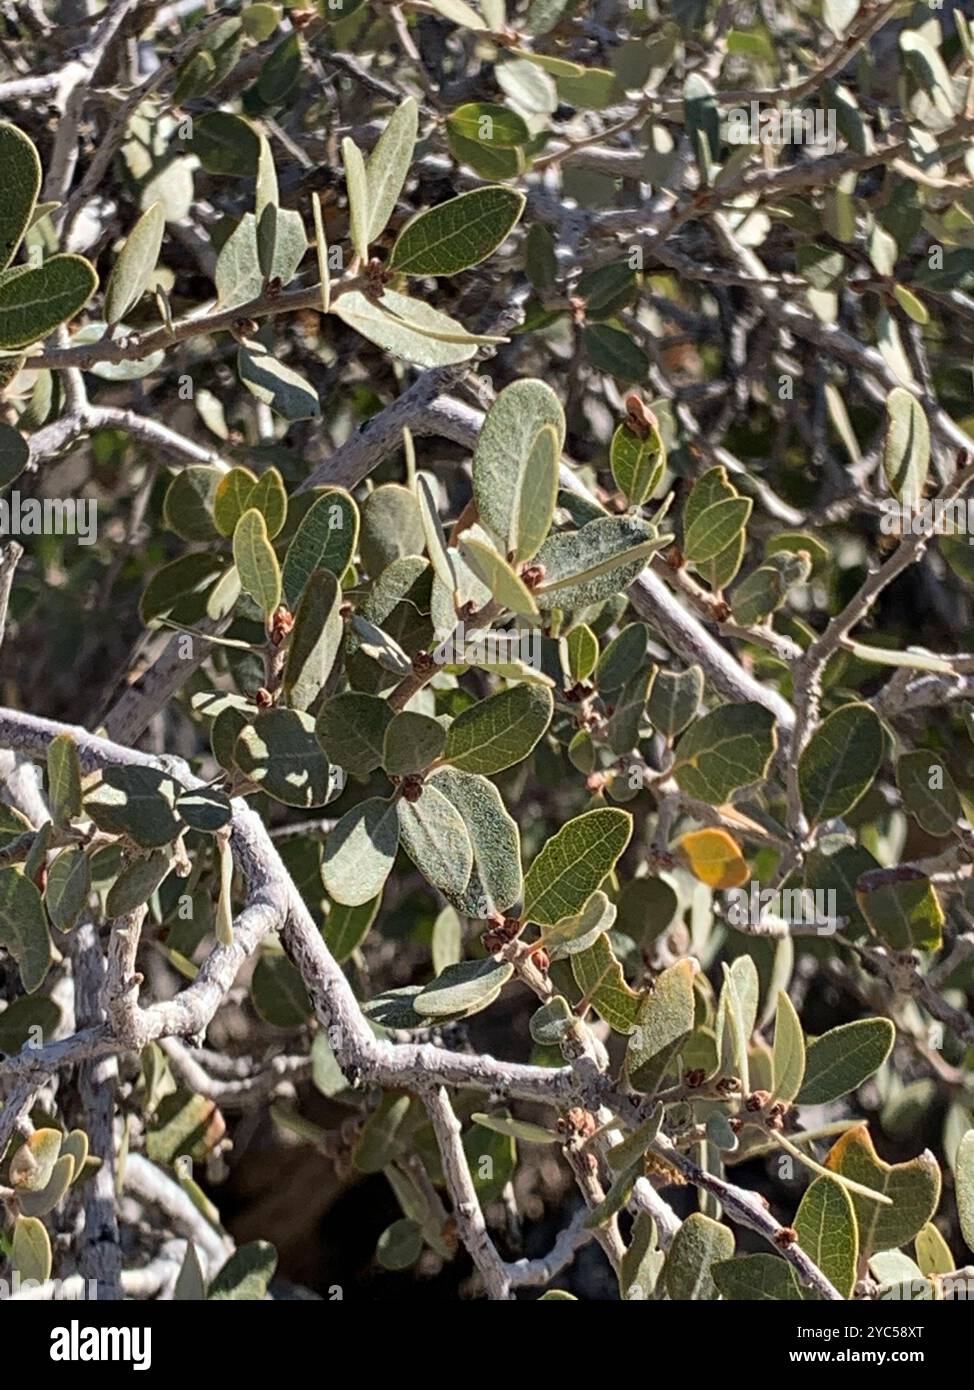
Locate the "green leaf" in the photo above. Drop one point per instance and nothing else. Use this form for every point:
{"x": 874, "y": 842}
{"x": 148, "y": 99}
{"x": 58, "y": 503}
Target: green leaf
{"x": 400, "y": 1245}
{"x": 204, "y": 809}
{"x": 553, "y": 1022}
{"x": 510, "y": 500}
{"x": 223, "y": 917}
{"x": 190, "y": 1285}
{"x": 579, "y": 931}
{"x": 380, "y": 1139}
{"x": 827, "y": 1232}
{"x": 379, "y": 646}
{"x": 756, "y": 1278}
{"x": 136, "y": 883}
{"x": 463, "y": 989}
{"x": 637, "y": 461}
{"x": 270, "y": 499}
{"x": 636, "y": 1145}
{"x": 388, "y": 166}
{"x": 347, "y": 927}
{"x": 459, "y": 12}
{"x": 495, "y": 883}
{"x": 436, "y": 840}
{"x": 489, "y": 161}
{"x": 729, "y": 748}
{"x": 906, "y": 452}
{"x": 14, "y": 454}
{"x": 913, "y": 1189}
{"x": 698, "y": 1244}
{"x": 911, "y": 305}
{"x": 582, "y": 650}
{"x": 359, "y": 204}
{"x": 502, "y": 730}
{"x": 231, "y": 498}
{"x": 226, "y": 144}
{"x": 260, "y": 20}
{"x": 710, "y": 533}
{"x": 266, "y": 204}
{"x": 63, "y": 779}
{"x": 663, "y": 1024}
{"x": 32, "y": 1165}
{"x": 188, "y": 506}
{"x": 902, "y": 907}
{"x": 446, "y": 946}
{"x": 626, "y": 719}
{"x": 614, "y": 352}
{"x": 178, "y": 590}
{"x": 488, "y": 123}
{"x": 23, "y": 927}
{"x": 21, "y": 185}
{"x": 238, "y": 276}
{"x": 593, "y": 90}
{"x": 412, "y": 741}
{"x": 928, "y": 791}
{"x": 326, "y": 538}
{"x": 515, "y": 1129}
{"x": 256, "y": 562}
{"x": 736, "y": 1013}
{"x": 408, "y": 328}
{"x": 602, "y": 558}
{"x": 280, "y": 753}
{"x": 392, "y": 526}
{"x": 964, "y": 1184}
{"x": 839, "y": 762}
{"x": 315, "y": 640}
{"x": 247, "y": 1274}
{"x": 393, "y": 1008}
{"x": 674, "y": 699}
{"x": 139, "y": 802}
{"x": 600, "y": 978}
{"x": 457, "y": 234}
{"x": 31, "y": 1249}
{"x": 535, "y": 501}
{"x": 286, "y": 392}
{"x": 932, "y": 1251}
{"x": 929, "y": 69}
{"x": 842, "y": 1059}
{"x": 278, "y": 992}
{"x": 573, "y": 863}
{"x": 506, "y": 587}
{"x": 435, "y": 543}
{"x": 360, "y": 852}
{"x": 35, "y": 301}
{"x": 280, "y": 71}
{"x": 788, "y": 1067}
{"x": 351, "y": 729}
{"x": 615, "y": 1200}
{"x": 137, "y": 260}
{"x": 765, "y": 589}
{"x": 321, "y": 251}
{"x": 325, "y": 1071}
{"x": 67, "y": 888}
{"x": 43, "y": 1202}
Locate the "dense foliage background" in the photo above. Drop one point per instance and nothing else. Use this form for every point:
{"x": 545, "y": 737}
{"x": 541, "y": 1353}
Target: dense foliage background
{"x": 508, "y": 447}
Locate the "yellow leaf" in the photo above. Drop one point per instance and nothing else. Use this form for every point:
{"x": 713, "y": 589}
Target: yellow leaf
{"x": 715, "y": 858}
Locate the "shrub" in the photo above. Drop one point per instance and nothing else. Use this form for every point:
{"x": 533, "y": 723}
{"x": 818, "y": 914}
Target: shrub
{"x": 491, "y": 622}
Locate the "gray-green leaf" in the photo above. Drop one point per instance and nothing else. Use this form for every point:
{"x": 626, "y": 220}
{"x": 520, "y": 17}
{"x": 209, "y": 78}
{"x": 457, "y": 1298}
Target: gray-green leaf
{"x": 436, "y": 840}
{"x": 315, "y": 639}
{"x": 360, "y": 852}
{"x": 843, "y": 1058}
{"x": 136, "y": 263}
